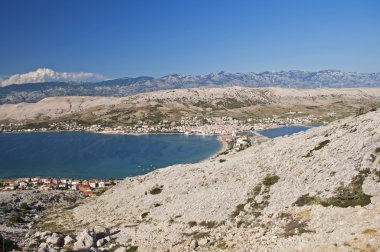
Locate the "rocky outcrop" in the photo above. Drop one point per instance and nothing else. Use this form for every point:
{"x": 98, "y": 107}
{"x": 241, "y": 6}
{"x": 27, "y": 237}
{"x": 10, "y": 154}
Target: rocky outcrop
{"x": 93, "y": 239}
{"x": 85, "y": 239}
{"x": 317, "y": 190}
{"x": 21, "y": 210}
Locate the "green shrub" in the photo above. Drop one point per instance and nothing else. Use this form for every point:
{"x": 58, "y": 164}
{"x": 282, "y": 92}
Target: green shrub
{"x": 7, "y": 245}
{"x": 15, "y": 218}
{"x": 318, "y": 147}
{"x": 5, "y": 210}
{"x": 349, "y": 196}
{"x": 24, "y": 206}
{"x": 237, "y": 210}
{"x": 270, "y": 180}
{"x": 369, "y": 231}
{"x": 156, "y": 190}
{"x": 132, "y": 249}
{"x": 208, "y": 224}
{"x": 192, "y": 223}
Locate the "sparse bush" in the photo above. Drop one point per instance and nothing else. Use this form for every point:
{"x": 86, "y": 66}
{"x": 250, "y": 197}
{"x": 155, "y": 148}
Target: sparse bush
{"x": 132, "y": 249}
{"x": 197, "y": 235}
{"x": 208, "y": 224}
{"x": 144, "y": 215}
{"x": 296, "y": 227}
{"x": 99, "y": 192}
{"x": 5, "y": 210}
{"x": 192, "y": 223}
{"x": 222, "y": 160}
{"x": 349, "y": 196}
{"x": 270, "y": 180}
{"x": 24, "y": 206}
{"x": 7, "y": 245}
{"x": 15, "y": 218}
{"x": 318, "y": 147}
{"x": 237, "y": 210}
{"x": 369, "y": 231}
{"x": 305, "y": 200}
{"x": 222, "y": 245}
{"x": 156, "y": 190}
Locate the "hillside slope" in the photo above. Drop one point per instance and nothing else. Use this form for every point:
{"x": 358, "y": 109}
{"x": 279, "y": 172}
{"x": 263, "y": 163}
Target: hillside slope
{"x": 239, "y": 102}
{"x": 313, "y": 191}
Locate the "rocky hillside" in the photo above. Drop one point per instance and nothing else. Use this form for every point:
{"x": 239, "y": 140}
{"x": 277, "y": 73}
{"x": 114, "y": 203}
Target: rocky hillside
{"x": 21, "y": 210}
{"x": 128, "y": 86}
{"x": 239, "y": 102}
{"x": 313, "y": 191}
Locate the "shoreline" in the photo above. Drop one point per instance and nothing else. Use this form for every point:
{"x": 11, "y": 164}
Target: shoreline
{"x": 221, "y": 138}
{"x": 158, "y": 133}
{"x": 222, "y": 148}
{"x": 110, "y": 133}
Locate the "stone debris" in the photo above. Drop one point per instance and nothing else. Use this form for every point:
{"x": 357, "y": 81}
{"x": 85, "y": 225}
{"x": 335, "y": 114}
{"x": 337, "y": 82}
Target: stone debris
{"x": 256, "y": 200}
{"x": 270, "y": 197}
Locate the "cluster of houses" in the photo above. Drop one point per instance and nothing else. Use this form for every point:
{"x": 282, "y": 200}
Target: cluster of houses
{"x": 242, "y": 142}
{"x": 199, "y": 124}
{"x": 87, "y": 187}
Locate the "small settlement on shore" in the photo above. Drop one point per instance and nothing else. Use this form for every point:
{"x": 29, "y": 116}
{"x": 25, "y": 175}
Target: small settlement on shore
{"x": 187, "y": 125}
{"x": 227, "y": 129}
{"x": 87, "y": 187}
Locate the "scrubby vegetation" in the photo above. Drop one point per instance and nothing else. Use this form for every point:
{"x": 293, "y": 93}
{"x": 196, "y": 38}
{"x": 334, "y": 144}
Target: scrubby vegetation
{"x": 294, "y": 226}
{"x": 256, "y": 207}
{"x": 156, "y": 190}
{"x": 192, "y": 223}
{"x": 208, "y": 224}
{"x": 24, "y": 206}
{"x": 347, "y": 196}
{"x": 15, "y": 218}
{"x": 369, "y": 231}
{"x": 270, "y": 180}
{"x": 6, "y": 245}
{"x": 318, "y": 147}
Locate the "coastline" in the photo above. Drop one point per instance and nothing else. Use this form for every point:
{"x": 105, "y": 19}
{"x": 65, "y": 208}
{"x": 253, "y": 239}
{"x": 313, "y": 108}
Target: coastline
{"x": 209, "y": 146}
{"x": 223, "y": 147}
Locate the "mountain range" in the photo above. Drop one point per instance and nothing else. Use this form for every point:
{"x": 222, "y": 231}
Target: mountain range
{"x": 33, "y": 92}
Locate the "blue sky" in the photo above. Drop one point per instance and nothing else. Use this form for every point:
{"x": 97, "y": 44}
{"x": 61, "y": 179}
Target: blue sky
{"x": 155, "y": 38}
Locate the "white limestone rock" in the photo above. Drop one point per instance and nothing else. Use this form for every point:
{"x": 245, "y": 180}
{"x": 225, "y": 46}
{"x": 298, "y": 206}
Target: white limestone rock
{"x": 85, "y": 240}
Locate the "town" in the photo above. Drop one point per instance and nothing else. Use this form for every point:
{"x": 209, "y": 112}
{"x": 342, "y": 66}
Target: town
{"x": 199, "y": 124}
{"x": 87, "y": 187}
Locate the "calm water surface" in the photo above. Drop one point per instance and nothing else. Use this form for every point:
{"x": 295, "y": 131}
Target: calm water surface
{"x": 89, "y": 155}
{"x": 283, "y": 131}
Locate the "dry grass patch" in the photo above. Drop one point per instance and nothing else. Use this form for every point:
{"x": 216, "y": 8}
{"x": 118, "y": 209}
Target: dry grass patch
{"x": 369, "y": 231}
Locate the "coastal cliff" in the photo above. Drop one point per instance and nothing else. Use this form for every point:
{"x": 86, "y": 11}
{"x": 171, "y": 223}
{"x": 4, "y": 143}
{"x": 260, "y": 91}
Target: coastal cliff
{"x": 316, "y": 190}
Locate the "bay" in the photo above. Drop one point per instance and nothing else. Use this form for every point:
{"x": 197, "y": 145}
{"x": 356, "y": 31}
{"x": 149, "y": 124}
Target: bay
{"x": 90, "y": 155}
{"x": 283, "y": 131}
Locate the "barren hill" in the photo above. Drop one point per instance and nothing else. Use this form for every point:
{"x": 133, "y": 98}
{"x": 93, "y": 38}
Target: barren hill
{"x": 313, "y": 191}
{"x": 239, "y": 102}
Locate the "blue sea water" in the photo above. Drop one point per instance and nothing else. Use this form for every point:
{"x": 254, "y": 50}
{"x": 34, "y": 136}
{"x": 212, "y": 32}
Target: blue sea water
{"x": 90, "y": 155}
{"x": 282, "y": 131}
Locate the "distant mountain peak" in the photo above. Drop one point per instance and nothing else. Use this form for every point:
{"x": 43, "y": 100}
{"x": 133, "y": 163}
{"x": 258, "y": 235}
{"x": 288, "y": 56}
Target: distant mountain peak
{"x": 58, "y": 84}
{"x": 49, "y": 75}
